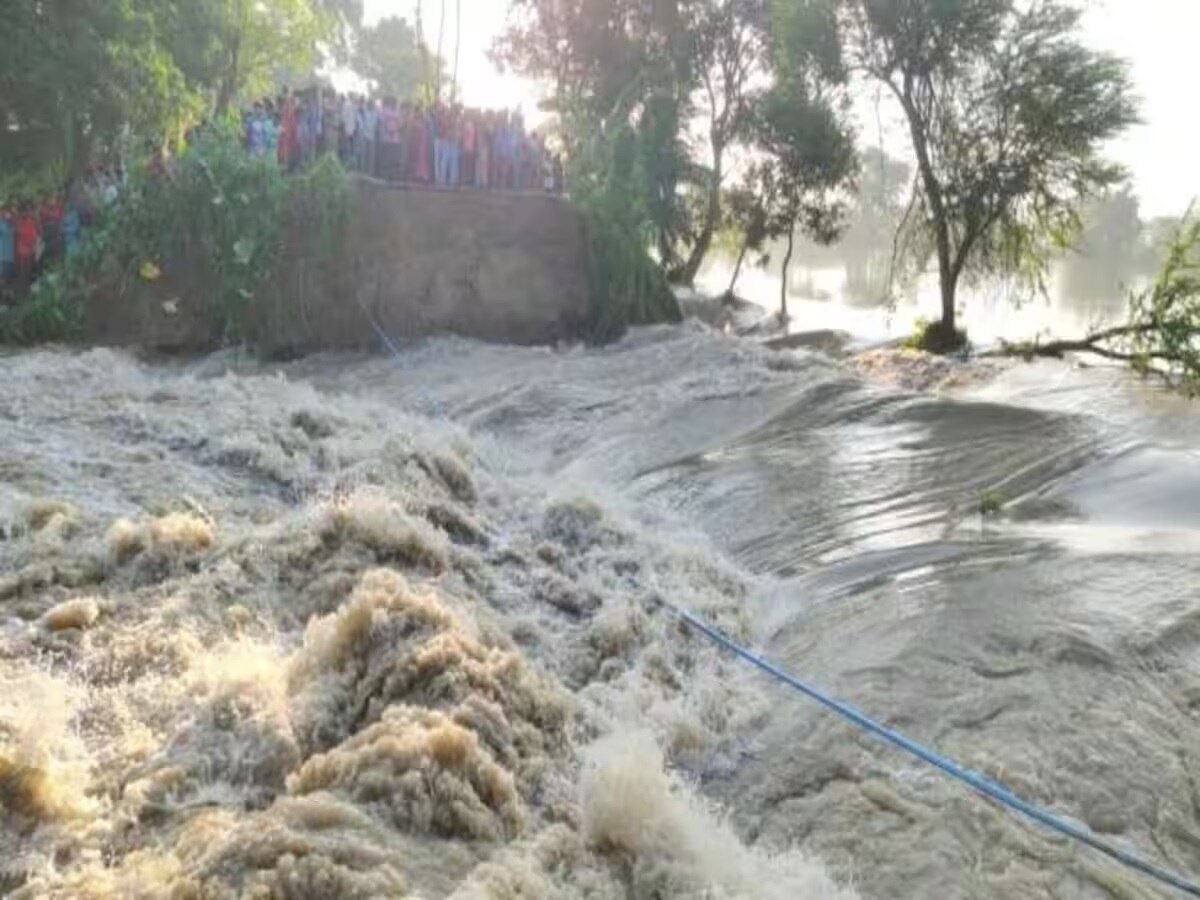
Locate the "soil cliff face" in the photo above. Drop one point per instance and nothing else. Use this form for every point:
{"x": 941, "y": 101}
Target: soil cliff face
{"x": 508, "y": 268}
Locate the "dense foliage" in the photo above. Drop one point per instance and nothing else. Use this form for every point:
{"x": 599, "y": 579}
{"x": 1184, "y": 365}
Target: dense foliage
{"x": 627, "y": 286}
{"x": 678, "y": 69}
{"x": 79, "y": 76}
{"x": 392, "y": 57}
{"x": 1163, "y": 331}
{"x": 214, "y": 223}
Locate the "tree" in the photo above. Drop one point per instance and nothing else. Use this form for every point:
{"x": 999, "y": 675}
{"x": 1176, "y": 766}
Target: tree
{"x": 79, "y": 74}
{"x": 678, "y": 68}
{"x": 1006, "y": 110}
{"x": 592, "y": 51}
{"x": 747, "y": 220}
{"x": 729, "y": 43}
{"x": 75, "y": 74}
{"x": 346, "y": 17}
{"x": 810, "y": 164}
{"x": 626, "y": 58}
{"x": 259, "y": 40}
{"x": 391, "y": 57}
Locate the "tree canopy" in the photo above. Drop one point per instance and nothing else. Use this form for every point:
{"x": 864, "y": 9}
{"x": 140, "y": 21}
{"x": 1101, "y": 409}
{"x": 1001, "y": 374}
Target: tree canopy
{"x": 688, "y": 74}
{"x": 80, "y": 73}
{"x": 390, "y": 55}
{"x": 1007, "y": 112}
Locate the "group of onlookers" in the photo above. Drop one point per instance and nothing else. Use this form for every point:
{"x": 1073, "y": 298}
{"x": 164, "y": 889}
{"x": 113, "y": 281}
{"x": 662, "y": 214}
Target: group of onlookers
{"x": 441, "y": 144}
{"x": 35, "y": 233}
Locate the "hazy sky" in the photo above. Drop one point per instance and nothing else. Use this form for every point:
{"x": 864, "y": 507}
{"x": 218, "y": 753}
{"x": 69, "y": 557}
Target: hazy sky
{"x": 1158, "y": 36}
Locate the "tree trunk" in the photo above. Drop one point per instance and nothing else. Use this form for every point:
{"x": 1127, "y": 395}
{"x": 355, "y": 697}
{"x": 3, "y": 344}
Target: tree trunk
{"x": 787, "y": 262}
{"x": 457, "y": 45}
{"x": 232, "y": 74}
{"x": 438, "y": 62}
{"x": 949, "y": 289}
{"x": 228, "y": 83}
{"x": 424, "y": 54}
{"x": 737, "y": 270}
{"x": 691, "y": 268}
{"x": 947, "y": 275}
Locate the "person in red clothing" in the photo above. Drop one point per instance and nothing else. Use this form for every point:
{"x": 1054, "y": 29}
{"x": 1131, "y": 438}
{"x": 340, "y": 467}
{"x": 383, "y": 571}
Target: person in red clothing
{"x": 420, "y": 155}
{"x": 27, "y": 241}
{"x": 289, "y": 138}
{"x": 50, "y": 218}
{"x": 469, "y": 130}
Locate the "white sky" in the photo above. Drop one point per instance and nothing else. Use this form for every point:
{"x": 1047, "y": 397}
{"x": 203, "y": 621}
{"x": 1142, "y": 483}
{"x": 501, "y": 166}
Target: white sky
{"x": 480, "y": 83}
{"x": 1158, "y": 36}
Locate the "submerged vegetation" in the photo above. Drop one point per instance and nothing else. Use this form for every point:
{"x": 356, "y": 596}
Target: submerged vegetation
{"x": 1161, "y": 334}
{"x": 991, "y": 503}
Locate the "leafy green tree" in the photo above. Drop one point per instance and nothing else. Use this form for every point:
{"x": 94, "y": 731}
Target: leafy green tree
{"x": 76, "y": 74}
{"x": 1006, "y": 109}
{"x": 606, "y": 178}
{"x": 346, "y": 17}
{"x": 592, "y": 53}
{"x": 729, "y": 44}
{"x": 747, "y": 220}
{"x": 391, "y": 56}
{"x": 680, "y": 68}
{"x": 73, "y": 74}
{"x": 679, "y": 61}
{"x": 258, "y": 42}
{"x": 810, "y": 163}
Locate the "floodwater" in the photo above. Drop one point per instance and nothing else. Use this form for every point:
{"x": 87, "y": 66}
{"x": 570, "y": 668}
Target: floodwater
{"x": 367, "y": 627}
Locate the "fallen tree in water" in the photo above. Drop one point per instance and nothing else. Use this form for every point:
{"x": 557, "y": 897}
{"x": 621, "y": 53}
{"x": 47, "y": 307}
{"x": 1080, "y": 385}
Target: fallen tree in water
{"x": 1161, "y": 336}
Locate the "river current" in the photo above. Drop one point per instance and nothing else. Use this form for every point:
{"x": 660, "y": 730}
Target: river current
{"x": 372, "y": 627}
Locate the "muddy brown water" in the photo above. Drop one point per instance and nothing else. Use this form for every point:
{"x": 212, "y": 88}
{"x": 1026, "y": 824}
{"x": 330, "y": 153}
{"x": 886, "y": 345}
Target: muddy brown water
{"x": 363, "y": 626}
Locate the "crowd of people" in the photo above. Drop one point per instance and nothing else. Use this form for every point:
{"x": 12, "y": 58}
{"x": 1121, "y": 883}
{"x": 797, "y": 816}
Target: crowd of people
{"x": 442, "y": 145}
{"x": 34, "y": 234}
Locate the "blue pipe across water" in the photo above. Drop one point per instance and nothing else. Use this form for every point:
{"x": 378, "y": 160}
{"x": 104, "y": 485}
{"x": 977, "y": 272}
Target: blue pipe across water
{"x": 983, "y": 785}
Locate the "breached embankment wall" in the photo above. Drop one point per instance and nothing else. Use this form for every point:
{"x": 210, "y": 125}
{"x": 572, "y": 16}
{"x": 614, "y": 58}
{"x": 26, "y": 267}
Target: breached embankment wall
{"x": 498, "y": 267}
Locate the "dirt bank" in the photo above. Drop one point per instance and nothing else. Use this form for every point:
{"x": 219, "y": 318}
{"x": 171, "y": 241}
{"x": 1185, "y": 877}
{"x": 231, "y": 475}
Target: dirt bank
{"x": 509, "y": 268}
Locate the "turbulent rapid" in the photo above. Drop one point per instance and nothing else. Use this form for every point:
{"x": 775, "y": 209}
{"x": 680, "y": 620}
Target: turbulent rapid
{"x": 375, "y": 627}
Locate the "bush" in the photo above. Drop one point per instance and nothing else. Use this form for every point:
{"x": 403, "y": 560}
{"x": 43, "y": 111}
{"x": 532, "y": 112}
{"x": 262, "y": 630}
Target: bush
{"x": 934, "y": 337}
{"x": 627, "y": 286}
{"x": 991, "y": 503}
{"x": 48, "y": 313}
{"x": 215, "y": 223}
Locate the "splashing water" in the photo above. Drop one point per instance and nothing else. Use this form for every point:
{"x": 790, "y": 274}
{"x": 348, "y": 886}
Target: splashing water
{"x": 361, "y": 627}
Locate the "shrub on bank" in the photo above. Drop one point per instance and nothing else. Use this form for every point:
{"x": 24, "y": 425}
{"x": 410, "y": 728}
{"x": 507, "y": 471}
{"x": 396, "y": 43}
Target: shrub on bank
{"x": 213, "y": 220}
{"x": 627, "y": 286}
